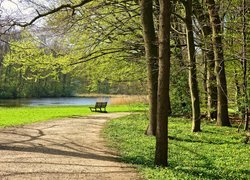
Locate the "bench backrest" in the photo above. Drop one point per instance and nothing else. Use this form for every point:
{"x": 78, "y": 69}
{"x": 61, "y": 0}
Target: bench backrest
{"x": 100, "y": 104}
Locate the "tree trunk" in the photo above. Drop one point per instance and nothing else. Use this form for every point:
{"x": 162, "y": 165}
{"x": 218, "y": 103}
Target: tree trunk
{"x": 1, "y": 63}
{"x": 211, "y": 86}
{"x": 204, "y": 76}
{"x": 193, "y": 84}
{"x": 238, "y": 92}
{"x": 151, "y": 51}
{"x": 244, "y": 63}
{"x": 222, "y": 104}
{"x": 161, "y": 153}
{"x": 204, "y": 22}
{"x": 211, "y": 77}
{"x": 2, "y": 52}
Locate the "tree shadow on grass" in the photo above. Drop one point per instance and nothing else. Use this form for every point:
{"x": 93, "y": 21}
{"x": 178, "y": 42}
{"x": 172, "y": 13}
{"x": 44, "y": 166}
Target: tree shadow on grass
{"x": 200, "y": 170}
{"x": 204, "y": 168}
{"x": 206, "y": 141}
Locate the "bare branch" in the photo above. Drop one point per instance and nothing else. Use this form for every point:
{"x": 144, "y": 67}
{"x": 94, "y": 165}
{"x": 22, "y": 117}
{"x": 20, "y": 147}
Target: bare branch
{"x": 40, "y": 15}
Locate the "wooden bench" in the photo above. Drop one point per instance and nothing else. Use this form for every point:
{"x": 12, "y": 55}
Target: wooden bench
{"x": 99, "y": 107}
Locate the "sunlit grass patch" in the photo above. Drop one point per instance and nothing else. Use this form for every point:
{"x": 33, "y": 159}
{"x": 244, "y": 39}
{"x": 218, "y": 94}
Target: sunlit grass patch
{"x": 215, "y": 153}
{"x": 26, "y": 115}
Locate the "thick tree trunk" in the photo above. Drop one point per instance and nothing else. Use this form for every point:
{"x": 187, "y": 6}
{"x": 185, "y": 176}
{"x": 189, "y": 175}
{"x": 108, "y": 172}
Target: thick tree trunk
{"x": 222, "y": 104}
{"x": 204, "y": 22}
{"x": 151, "y": 50}
{"x": 161, "y": 153}
{"x": 193, "y": 84}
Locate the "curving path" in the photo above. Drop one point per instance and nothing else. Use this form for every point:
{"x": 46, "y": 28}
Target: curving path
{"x": 62, "y": 149}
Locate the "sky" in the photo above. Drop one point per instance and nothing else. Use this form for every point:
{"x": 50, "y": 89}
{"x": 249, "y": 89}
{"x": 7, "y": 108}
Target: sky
{"x": 19, "y": 11}
{"x": 13, "y": 8}
{"x": 9, "y": 4}
{"x": 23, "y": 9}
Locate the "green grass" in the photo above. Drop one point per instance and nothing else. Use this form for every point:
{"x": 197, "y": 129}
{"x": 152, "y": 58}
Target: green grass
{"x": 28, "y": 115}
{"x": 215, "y": 153}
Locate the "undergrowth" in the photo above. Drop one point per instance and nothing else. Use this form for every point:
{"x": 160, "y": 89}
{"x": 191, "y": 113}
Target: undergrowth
{"x": 214, "y": 153}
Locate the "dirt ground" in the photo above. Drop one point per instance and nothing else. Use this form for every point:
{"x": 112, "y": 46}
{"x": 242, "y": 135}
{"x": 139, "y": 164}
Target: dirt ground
{"x": 61, "y": 149}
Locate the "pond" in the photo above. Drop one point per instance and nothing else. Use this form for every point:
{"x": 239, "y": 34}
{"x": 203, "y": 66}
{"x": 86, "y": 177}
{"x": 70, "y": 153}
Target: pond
{"x": 62, "y": 101}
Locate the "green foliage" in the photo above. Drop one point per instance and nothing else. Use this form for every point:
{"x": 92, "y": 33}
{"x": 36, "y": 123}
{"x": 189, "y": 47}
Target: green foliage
{"x": 179, "y": 91}
{"x": 110, "y": 47}
{"x": 33, "y": 71}
{"x": 101, "y": 52}
{"x": 180, "y": 96}
{"x": 215, "y": 153}
{"x": 233, "y": 51}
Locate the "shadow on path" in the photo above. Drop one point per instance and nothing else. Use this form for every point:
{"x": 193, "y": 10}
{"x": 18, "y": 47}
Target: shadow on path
{"x": 60, "y": 149}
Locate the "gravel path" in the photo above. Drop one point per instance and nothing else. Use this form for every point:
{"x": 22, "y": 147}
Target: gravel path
{"x": 61, "y": 149}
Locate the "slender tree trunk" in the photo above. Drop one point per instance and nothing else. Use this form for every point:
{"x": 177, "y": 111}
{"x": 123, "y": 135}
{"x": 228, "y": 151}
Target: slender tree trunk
{"x": 64, "y": 84}
{"x": 211, "y": 77}
{"x": 161, "y": 153}
{"x": 151, "y": 50}
{"x": 1, "y": 58}
{"x": 211, "y": 87}
{"x": 204, "y": 22}
{"x": 244, "y": 63}
{"x": 222, "y": 104}
{"x": 193, "y": 84}
{"x": 1, "y": 63}
{"x": 204, "y": 82}
{"x": 179, "y": 40}
{"x": 238, "y": 92}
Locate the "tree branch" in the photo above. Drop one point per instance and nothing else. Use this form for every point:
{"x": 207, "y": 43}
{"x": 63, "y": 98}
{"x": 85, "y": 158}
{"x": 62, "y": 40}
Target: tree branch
{"x": 63, "y": 6}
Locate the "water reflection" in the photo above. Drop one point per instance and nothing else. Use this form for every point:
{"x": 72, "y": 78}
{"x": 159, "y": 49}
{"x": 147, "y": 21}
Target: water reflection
{"x": 66, "y": 101}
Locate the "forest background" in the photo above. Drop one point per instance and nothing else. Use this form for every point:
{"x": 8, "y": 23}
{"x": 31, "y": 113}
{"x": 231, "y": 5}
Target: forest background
{"x": 99, "y": 48}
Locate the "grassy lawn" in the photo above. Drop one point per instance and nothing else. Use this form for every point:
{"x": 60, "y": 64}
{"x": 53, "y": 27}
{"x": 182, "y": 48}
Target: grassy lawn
{"x": 27, "y": 115}
{"x": 215, "y": 153}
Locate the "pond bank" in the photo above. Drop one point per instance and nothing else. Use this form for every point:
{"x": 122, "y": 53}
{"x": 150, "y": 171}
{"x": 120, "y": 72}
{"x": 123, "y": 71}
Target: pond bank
{"x": 77, "y": 100}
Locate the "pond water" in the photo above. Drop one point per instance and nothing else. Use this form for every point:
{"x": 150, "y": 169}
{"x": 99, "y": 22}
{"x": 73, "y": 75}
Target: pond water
{"x": 65, "y": 101}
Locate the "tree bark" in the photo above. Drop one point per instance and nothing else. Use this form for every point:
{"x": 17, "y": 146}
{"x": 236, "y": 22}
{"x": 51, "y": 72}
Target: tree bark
{"x": 204, "y": 22}
{"x": 222, "y": 104}
{"x": 211, "y": 84}
{"x": 151, "y": 52}
{"x": 244, "y": 63}
{"x": 238, "y": 94}
{"x": 1, "y": 64}
{"x": 193, "y": 84}
{"x": 161, "y": 153}
{"x": 204, "y": 76}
